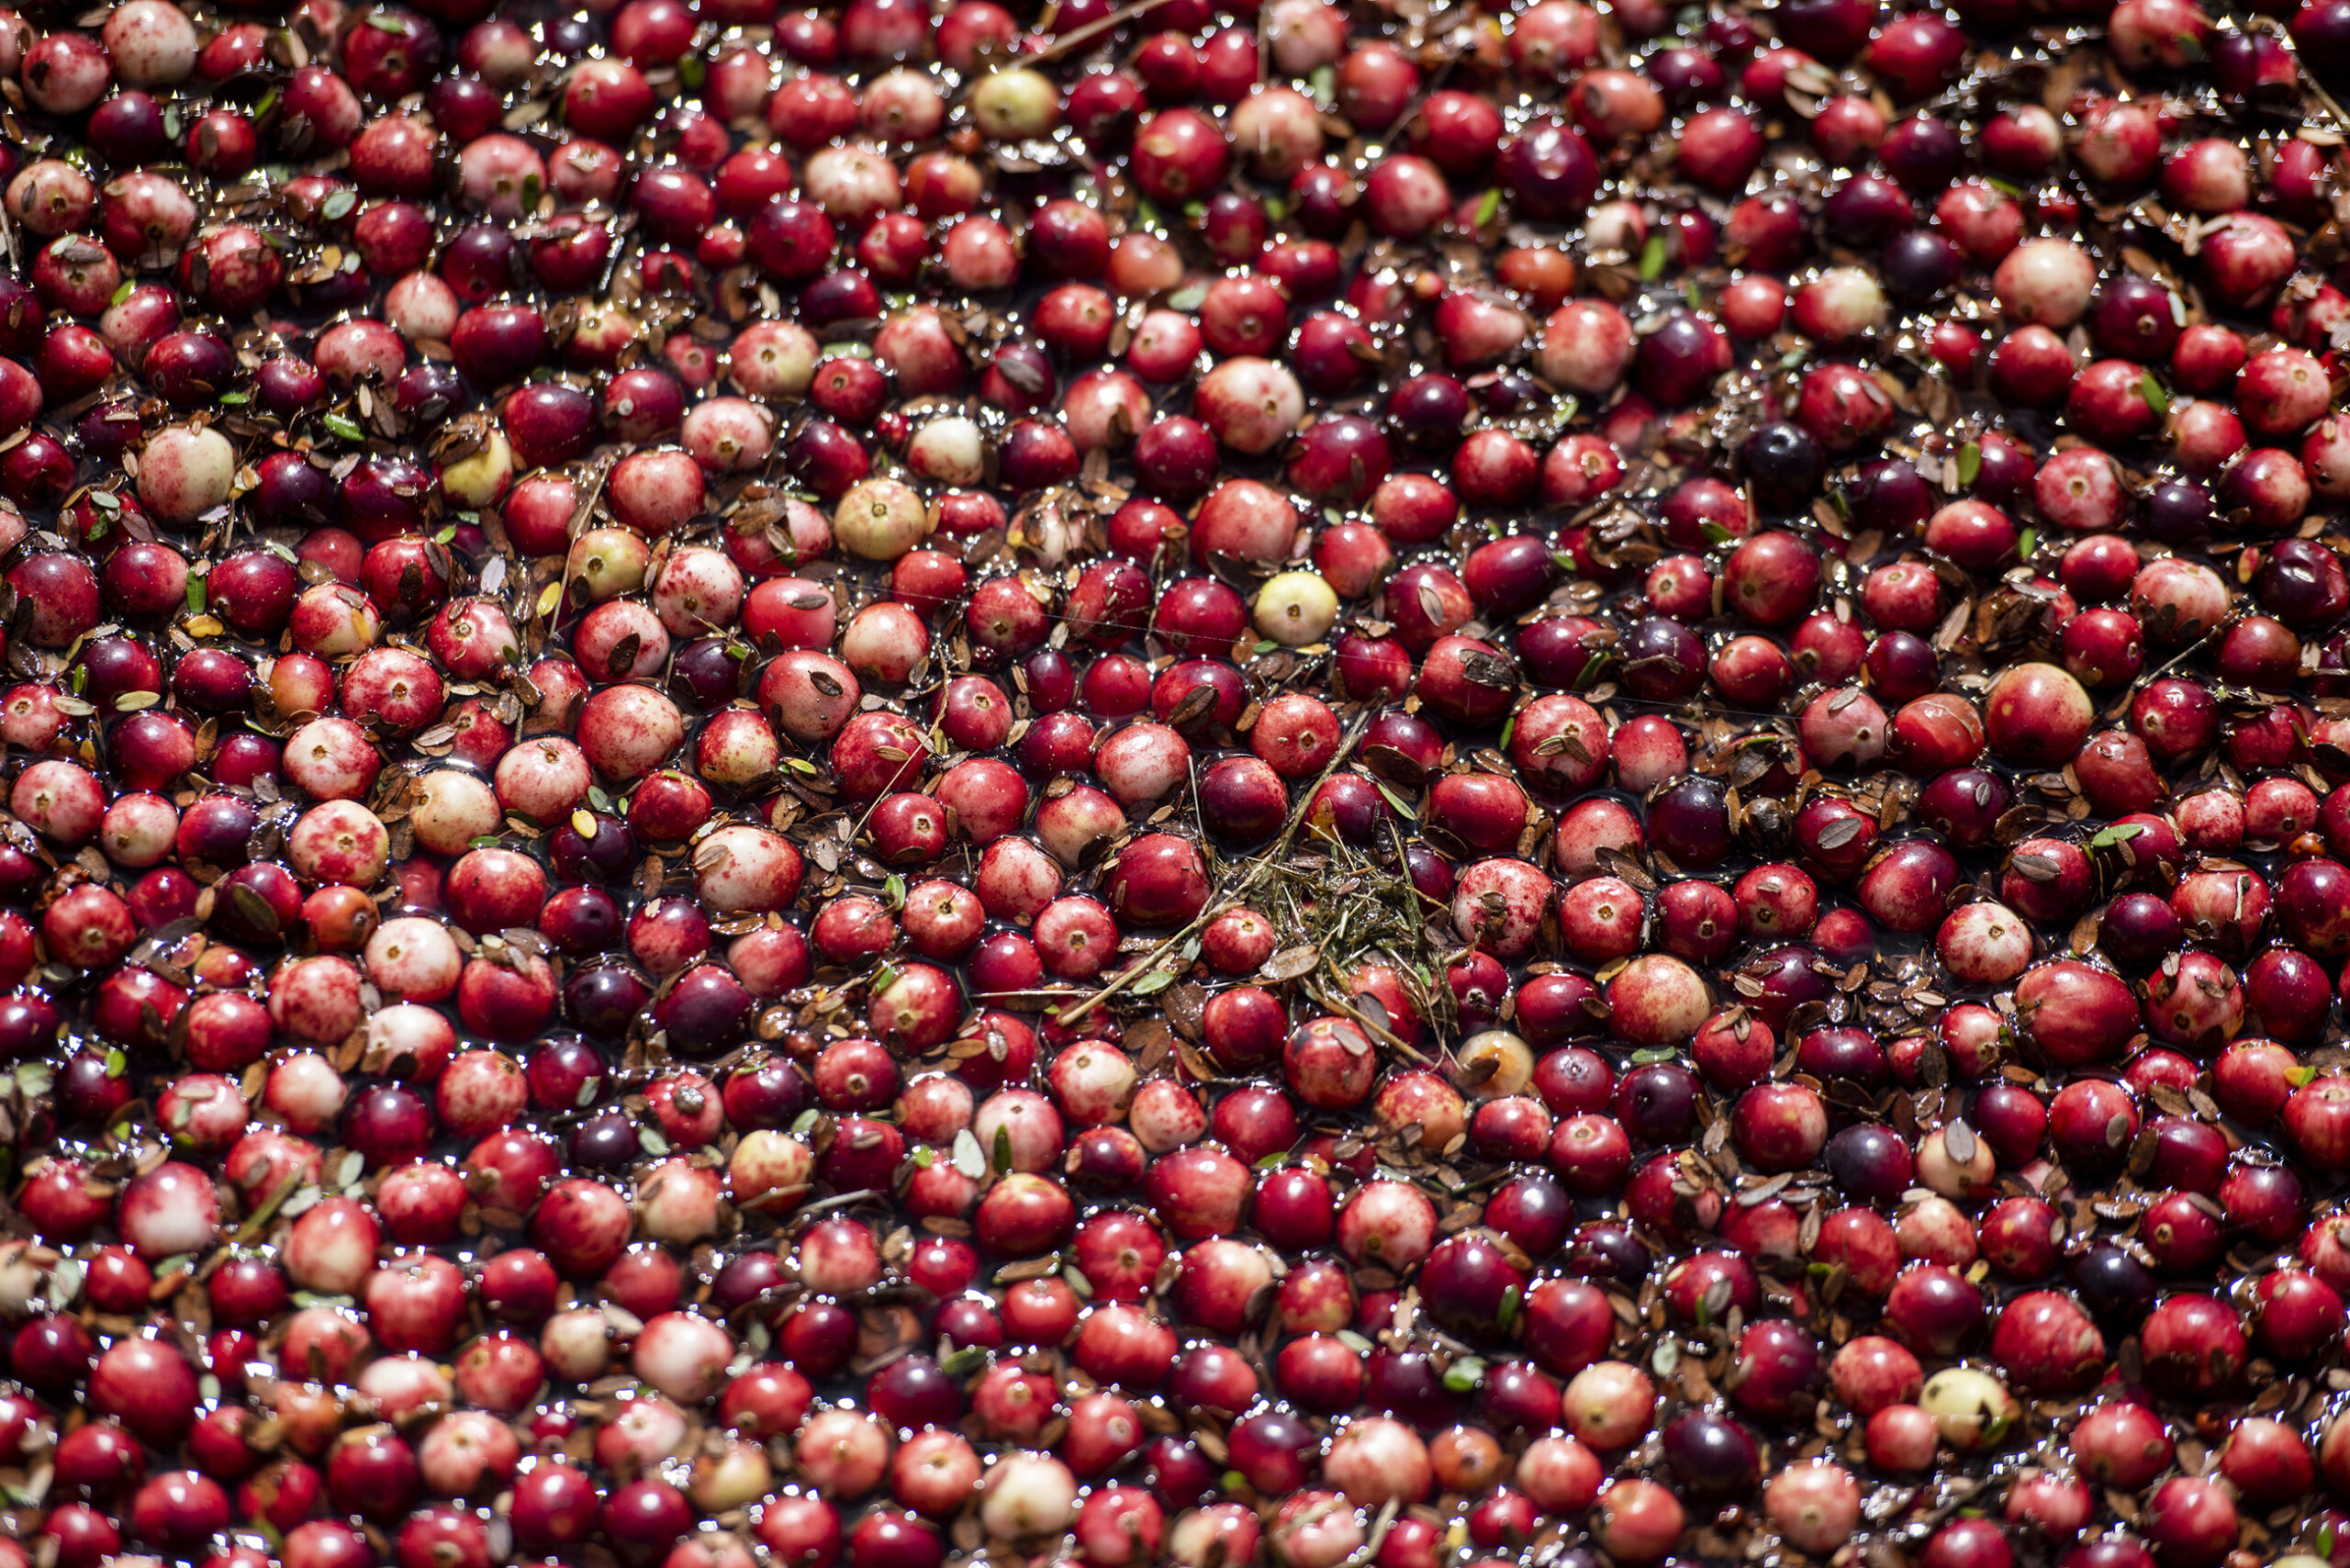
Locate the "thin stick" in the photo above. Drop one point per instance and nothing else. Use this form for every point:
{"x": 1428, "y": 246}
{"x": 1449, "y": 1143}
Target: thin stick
{"x": 1258, "y": 869}
{"x": 1093, "y": 30}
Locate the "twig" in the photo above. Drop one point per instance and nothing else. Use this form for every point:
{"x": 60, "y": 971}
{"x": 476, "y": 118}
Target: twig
{"x": 1091, "y": 30}
{"x": 1257, "y": 870}
{"x": 1370, "y": 1025}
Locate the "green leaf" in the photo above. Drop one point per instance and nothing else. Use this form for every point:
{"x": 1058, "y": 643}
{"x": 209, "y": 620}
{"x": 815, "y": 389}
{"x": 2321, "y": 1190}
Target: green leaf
{"x": 123, "y": 293}
{"x": 1714, "y": 533}
{"x": 236, "y": 400}
{"x": 1002, "y": 1149}
{"x": 1970, "y": 461}
{"x": 344, "y": 427}
{"x": 1489, "y": 206}
{"x": 268, "y": 102}
{"x": 446, "y": 534}
{"x": 1403, "y": 808}
{"x": 651, "y": 1141}
{"x": 1187, "y": 298}
{"x": 970, "y": 1358}
{"x": 883, "y": 979}
{"x": 35, "y": 1077}
{"x": 1507, "y": 1315}
{"x": 1324, "y": 82}
{"x": 486, "y": 841}
{"x": 2120, "y": 833}
{"x": 194, "y": 595}
{"x": 894, "y": 889}
{"x": 1353, "y": 1340}
{"x": 1269, "y": 1161}
{"x": 337, "y": 207}
{"x": 1654, "y": 1054}
{"x": 925, "y": 1157}
{"x": 598, "y": 799}
{"x": 803, "y": 1122}
{"x": 691, "y": 71}
{"x": 117, "y": 1064}
{"x": 1464, "y": 1374}
{"x": 2026, "y": 542}
{"x": 1153, "y": 983}
{"x": 1653, "y": 259}
{"x": 2151, "y": 391}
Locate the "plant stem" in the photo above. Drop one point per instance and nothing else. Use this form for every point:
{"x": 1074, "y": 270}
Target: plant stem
{"x": 1257, "y": 870}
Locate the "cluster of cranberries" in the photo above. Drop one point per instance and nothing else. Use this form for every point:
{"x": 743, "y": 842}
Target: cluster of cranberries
{"x": 1398, "y": 785}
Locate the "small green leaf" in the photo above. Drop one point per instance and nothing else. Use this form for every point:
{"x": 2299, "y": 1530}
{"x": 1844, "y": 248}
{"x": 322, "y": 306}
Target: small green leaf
{"x": 651, "y": 1141}
{"x": 1002, "y": 1149}
{"x": 1324, "y": 82}
{"x": 236, "y": 400}
{"x": 1153, "y": 983}
{"x": 2120, "y": 833}
{"x": 801, "y": 1123}
{"x": 486, "y": 841}
{"x": 801, "y": 765}
{"x": 268, "y": 102}
{"x": 1264, "y": 646}
{"x": 1506, "y": 1316}
{"x": 970, "y": 1358}
{"x": 337, "y": 207}
{"x": 2026, "y": 542}
{"x": 1353, "y": 1340}
{"x": 1970, "y": 461}
{"x": 1654, "y": 1054}
{"x": 1714, "y": 533}
{"x": 925, "y": 1157}
{"x": 1234, "y": 1482}
{"x": 1403, "y": 808}
{"x": 117, "y": 1064}
{"x": 1464, "y": 1374}
{"x": 893, "y": 888}
{"x": 35, "y": 1077}
{"x": 446, "y": 534}
{"x": 1489, "y": 206}
{"x": 344, "y": 427}
{"x": 123, "y": 293}
{"x": 691, "y": 71}
{"x": 1187, "y": 298}
{"x": 194, "y": 595}
{"x": 2151, "y": 391}
{"x": 1653, "y": 259}
{"x": 883, "y": 979}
